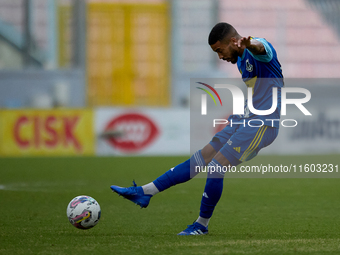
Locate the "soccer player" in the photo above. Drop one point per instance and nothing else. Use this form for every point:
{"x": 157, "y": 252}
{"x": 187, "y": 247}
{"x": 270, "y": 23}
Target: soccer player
{"x": 257, "y": 62}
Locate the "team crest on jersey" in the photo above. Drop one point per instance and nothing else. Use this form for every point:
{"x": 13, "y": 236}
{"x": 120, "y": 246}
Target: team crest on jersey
{"x": 249, "y": 66}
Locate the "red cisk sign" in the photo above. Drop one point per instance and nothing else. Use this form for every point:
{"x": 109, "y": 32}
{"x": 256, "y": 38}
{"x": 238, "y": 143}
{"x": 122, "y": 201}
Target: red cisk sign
{"x": 47, "y": 132}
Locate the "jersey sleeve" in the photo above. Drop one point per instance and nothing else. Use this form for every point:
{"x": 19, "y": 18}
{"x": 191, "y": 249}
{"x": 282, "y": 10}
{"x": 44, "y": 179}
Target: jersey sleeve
{"x": 269, "y": 53}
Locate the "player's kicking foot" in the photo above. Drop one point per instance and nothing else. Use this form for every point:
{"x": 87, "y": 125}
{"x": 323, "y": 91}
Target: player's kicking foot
{"x": 134, "y": 194}
{"x": 194, "y": 229}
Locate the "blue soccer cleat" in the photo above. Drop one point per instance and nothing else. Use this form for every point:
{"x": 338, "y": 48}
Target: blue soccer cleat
{"x": 134, "y": 194}
{"x": 194, "y": 229}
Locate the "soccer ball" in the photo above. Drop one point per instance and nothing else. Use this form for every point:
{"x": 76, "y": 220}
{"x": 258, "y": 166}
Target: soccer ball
{"x": 83, "y": 212}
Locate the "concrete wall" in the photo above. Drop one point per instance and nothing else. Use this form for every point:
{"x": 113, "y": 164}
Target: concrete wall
{"x": 42, "y": 89}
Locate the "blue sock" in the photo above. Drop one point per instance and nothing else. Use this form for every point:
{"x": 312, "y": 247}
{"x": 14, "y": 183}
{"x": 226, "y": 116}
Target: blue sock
{"x": 180, "y": 173}
{"x": 212, "y": 191}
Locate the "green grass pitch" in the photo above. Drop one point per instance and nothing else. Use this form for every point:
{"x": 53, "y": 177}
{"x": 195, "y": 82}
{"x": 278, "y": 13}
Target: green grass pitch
{"x": 254, "y": 216}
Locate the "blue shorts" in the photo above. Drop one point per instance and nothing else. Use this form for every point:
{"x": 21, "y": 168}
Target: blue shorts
{"x": 241, "y": 143}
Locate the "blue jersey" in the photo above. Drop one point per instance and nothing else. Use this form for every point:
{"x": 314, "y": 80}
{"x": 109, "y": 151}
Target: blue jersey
{"x": 262, "y": 73}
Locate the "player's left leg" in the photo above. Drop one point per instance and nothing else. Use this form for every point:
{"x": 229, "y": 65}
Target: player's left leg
{"x": 211, "y": 195}
{"x": 243, "y": 145}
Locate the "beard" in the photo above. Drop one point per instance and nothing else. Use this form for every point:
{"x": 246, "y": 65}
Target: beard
{"x": 234, "y": 57}
{"x": 233, "y": 61}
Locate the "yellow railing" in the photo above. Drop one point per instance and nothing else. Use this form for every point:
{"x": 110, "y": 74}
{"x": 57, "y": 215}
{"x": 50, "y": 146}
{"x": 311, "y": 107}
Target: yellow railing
{"x": 128, "y": 54}
{"x": 64, "y": 35}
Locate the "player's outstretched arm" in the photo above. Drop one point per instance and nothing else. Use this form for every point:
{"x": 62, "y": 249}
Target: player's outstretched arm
{"x": 256, "y": 47}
